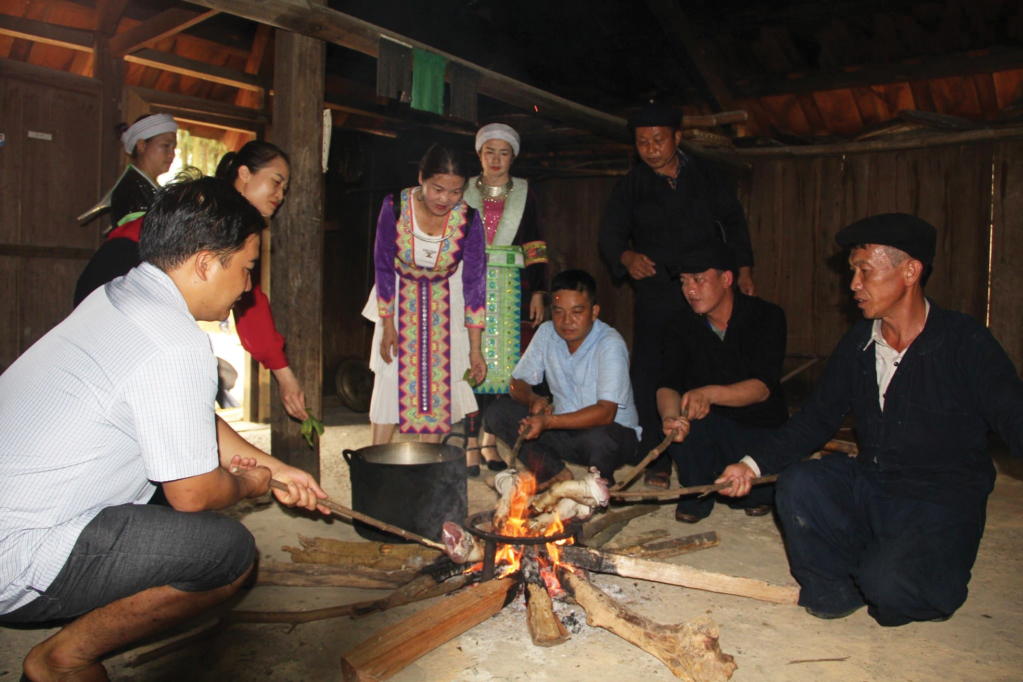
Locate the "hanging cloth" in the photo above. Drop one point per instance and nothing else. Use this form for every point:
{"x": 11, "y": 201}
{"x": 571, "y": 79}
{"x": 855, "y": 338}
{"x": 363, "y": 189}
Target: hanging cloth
{"x": 464, "y": 85}
{"x": 428, "y": 81}
{"x": 394, "y": 70}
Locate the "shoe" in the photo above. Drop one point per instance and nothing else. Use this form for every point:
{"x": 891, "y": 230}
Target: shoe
{"x": 833, "y": 616}
{"x": 658, "y": 479}
{"x": 496, "y": 464}
{"x": 687, "y": 518}
{"x": 760, "y": 510}
{"x": 473, "y": 471}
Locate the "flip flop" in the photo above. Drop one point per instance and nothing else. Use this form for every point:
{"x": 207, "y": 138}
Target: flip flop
{"x": 658, "y": 479}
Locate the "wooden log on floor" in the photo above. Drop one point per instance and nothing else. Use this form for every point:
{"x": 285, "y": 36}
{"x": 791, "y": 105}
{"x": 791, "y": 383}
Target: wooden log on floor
{"x": 545, "y": 628}
{"x": 690, "y": 650}
{"x": 381, "y": 556}
{"x": 283, "y": 574}
{"x": 675, "y": 574}
{"x": 609, "y": 518}
{"x": 665, "y": 549}
{"x": 393, "y": 649}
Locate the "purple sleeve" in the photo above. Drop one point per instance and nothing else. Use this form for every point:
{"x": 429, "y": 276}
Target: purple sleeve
{"x": 474, "y": 273}
{"x": 384, "y": 252}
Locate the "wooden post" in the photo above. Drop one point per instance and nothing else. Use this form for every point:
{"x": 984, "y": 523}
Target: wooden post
{"x": 110, "y": 73}
{"x": 297, "y": 237}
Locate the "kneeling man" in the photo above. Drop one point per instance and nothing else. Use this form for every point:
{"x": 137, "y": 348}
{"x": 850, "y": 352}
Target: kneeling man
{"x": 896, "y": 529}
{"x": 722, "y": 367}
{"x": 593, "y": 421}
{"x": 125, "y": 387}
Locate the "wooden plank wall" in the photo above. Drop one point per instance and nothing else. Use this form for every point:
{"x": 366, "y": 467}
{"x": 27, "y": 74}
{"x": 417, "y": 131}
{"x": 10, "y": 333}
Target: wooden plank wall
{"x": 45, "y": 181}
{"x": 1007, "y": 249}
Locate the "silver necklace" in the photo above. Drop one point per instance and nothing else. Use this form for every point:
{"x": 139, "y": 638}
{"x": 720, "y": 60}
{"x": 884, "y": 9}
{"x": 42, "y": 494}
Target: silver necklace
{"x": 491, "y": 192}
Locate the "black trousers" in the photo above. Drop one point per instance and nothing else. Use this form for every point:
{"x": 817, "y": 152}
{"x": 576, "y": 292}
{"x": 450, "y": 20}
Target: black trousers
{"x": 605, "y": 447}
{"x": 851, "y": 544}
{"x": 713, "y": 443}
{"x": 645, "y": 372}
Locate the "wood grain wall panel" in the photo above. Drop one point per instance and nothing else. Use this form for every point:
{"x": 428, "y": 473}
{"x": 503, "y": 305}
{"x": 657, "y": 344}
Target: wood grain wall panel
{"x": 46, "y": 287}
{"x": 9, "y": 334}
{"x": 570, "y": 215}
{"x": 1007, "y": 251}
{"x": 10, "y": 161}
{"x": 60, "y": 178}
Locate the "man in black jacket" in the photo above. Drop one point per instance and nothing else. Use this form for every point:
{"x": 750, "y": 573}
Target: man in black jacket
{"x": 722, "y": 369}
{"x": 665, "y": 207}
{"x": 896, "y": 529}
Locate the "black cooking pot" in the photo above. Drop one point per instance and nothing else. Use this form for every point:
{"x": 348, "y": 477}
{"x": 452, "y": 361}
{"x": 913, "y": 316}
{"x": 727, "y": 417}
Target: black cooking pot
{"x": 415, "y": 486}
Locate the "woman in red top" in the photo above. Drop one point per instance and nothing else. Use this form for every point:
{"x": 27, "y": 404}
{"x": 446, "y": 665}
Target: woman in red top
{"x": 260, "y": 172}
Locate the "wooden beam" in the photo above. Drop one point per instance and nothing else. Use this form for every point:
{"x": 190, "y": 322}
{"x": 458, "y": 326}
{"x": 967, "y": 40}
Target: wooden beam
{"x": 164, "y": 25}
{"x": 26, "y": 251}
{"x": 341, "y": 29}
{"x": 110, "y": 72}
{"x": 296, "y": 263}
{"x": 391, "y": 650}
{"x": 963, "y": 64}
{"x": 690, "y": 47}
{"x": 110, "y": 12}
{"x": 195, "y": 69}
{"x": 917, "y": 141}
{"x": 42, "y": 32}
{"x": 178, "y": 102}
{"x": 46, "y": 76}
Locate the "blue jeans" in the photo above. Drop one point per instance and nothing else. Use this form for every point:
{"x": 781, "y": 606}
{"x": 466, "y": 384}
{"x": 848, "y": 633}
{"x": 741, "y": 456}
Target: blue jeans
{"x": 850, "y": 544}
{"x": 713, "y": 443}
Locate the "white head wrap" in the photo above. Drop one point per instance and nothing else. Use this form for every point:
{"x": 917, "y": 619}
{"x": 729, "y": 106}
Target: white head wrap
{"x": 498, "y": 131}
{"x": 150, "y": 126}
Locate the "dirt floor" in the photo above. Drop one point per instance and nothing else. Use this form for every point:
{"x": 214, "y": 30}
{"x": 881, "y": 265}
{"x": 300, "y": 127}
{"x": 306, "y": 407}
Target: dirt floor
{"x": 984, "y": 641}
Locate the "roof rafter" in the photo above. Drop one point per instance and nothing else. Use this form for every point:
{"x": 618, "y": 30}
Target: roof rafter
{"x": 164, "y": 25}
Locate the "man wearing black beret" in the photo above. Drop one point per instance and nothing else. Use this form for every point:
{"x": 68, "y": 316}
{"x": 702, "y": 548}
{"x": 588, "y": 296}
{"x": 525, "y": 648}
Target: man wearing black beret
{"x": 662, "y": 209}
{"x": 723, "y": 356}
{"x": 896, "y": 529}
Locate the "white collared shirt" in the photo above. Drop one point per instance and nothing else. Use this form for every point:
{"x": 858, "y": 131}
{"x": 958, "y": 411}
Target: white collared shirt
{"x": 119, "y": 394}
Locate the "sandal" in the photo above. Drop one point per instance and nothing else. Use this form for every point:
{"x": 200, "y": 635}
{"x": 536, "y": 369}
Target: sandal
{"x": 658, "y": 479}
{"x": 496, "y": 464}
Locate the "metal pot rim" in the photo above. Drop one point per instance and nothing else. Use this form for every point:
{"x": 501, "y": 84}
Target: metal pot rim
{"x": 410, "y": 454}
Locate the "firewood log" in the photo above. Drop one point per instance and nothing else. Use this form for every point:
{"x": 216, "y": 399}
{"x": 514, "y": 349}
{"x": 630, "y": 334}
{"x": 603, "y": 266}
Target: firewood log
{"x": 690, "y": 650}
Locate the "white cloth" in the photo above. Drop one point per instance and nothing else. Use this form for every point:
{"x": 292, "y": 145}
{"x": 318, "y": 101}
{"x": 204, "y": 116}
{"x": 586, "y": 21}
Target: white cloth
{"x": 383, "y": 406}
{"x": 146, "y": 128}
{"x": 497, "y": 131}
{"x": 119, "y": 394}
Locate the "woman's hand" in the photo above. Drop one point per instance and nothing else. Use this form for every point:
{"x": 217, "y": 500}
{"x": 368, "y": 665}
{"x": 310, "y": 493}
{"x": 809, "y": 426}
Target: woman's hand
{"x": 389, "y": 342}
{"x": 478, "y": 367}
{"x": 291, "y": 393}
{"x": 536, "y": 309}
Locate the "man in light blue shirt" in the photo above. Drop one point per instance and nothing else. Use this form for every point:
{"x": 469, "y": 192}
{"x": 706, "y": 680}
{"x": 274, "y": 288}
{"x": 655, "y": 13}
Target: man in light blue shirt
{"x": 593, "y": 420}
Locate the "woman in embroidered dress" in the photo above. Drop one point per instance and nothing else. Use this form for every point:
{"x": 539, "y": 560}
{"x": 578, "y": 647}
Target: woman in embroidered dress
{"x": 516, "y": 275}
{"x": 427, "y": 304}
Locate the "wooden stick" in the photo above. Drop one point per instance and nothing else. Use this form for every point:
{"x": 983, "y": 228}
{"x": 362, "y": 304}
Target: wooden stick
{"x": 281, "y": 573}
{"x": 690, "y": 650}
{"x": 675, "y": 574}
{"x": 515, "y": 450}
{"x": 665, "y": 549}
{"x": 653, "y": 454}
{"x": 391, "y": 650}
{"x": 681, "y": 492}
{"x": 609, "y": 518}
{"x": 368, "y": 520}
{"x": 545, "y": 628}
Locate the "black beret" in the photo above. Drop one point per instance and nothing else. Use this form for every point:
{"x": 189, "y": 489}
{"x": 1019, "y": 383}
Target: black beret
{"x": 712, "y": 255}
{"x": 655, "y": 116}
{"x": 905, "y": 232}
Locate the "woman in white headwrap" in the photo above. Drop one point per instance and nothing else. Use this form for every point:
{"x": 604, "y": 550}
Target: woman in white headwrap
{"x": 150, "y": 142}
{"x": 516, "y": 274}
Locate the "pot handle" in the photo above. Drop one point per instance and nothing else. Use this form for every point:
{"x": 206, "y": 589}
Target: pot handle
{"x": 348, "y": 454}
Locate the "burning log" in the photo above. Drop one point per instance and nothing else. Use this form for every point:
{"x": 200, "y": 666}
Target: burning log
{"x": 391, "y": 650}
{"x": 545, "y": 628}
{"x": 590, "y": 491}
{"x": 674, "y": 574}
{"x": 690, "y": 650}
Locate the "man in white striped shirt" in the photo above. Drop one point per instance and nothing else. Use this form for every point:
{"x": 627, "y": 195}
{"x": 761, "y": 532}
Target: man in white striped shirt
{"x": 117, "y": 397}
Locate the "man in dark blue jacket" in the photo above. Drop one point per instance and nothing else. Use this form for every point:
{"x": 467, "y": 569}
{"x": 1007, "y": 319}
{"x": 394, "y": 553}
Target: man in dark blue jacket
{"x": 896, "y": 529}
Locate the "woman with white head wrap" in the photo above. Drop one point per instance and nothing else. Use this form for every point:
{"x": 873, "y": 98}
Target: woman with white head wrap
{"x": 150, "y": 142}
{"x": 516, "y": 273}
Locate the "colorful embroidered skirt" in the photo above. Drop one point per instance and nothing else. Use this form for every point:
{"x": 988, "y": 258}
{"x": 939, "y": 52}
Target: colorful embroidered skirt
{"x": 501, "y": 341}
